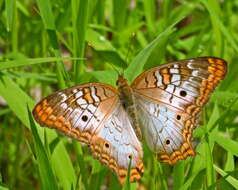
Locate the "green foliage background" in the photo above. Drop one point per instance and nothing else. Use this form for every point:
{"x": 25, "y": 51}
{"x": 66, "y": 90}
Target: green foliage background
{"x": 127, "y": 35}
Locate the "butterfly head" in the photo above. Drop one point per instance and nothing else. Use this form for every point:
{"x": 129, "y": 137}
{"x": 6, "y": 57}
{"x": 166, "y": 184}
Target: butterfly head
{"x": 121, "y": 82}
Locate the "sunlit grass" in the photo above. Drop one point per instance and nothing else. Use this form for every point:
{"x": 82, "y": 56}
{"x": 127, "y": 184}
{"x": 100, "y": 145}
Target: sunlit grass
{"x": 36, "y": 35}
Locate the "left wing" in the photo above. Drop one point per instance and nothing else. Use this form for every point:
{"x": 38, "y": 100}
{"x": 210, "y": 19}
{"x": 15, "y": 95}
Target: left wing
{"x": 92, "y": 113}
{"x": 169, "y": 101}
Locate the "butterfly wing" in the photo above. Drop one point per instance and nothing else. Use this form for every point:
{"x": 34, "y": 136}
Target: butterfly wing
{"x": 92, "y": 114}
{"x": 169, "y": 101}
{"x": 117, "y": 143}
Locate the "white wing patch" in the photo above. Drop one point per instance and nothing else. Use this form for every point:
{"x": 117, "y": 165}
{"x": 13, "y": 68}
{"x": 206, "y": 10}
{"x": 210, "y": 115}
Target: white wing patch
{"x": 116, "y": 143}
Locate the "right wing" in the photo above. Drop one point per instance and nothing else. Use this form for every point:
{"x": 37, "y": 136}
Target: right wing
{"x": 170, "y": 99}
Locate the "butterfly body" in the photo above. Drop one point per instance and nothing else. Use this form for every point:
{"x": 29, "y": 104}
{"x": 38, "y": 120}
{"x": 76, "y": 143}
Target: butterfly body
{"x": 128, "y": 101}
{"x": 162, "y": 106}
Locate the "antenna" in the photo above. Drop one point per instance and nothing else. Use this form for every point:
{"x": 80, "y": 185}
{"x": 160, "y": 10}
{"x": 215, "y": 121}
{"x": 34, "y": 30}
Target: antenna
{"x": 118, "y": 72}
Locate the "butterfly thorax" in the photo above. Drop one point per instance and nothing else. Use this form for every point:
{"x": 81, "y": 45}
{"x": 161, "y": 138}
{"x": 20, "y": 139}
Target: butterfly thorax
{"x": 127, "y": 100}
{"x": 125, "y": 92}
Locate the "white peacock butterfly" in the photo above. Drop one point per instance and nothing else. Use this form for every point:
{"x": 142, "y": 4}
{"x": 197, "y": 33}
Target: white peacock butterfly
{"x": 162, "y": 105}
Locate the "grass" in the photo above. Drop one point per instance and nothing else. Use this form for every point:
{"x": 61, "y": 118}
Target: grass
{"x": 35, "y": 36}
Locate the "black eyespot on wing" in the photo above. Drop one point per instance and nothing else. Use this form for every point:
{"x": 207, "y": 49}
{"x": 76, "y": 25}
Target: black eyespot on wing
{"x": 178, "y": 117}
{"x": 183, "y": 93}
{"x": 167, "y": 141}
{"x": 107, "y": 145}
{"x": 85, "y": 118}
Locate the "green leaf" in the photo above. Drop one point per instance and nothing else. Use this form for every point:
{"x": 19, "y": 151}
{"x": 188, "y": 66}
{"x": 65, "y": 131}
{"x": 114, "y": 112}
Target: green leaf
{"x": 10, "y": 9}
{"x": 233, "y": 181}
{"x": 228, "y": 144}
{"x": 18, "y": 102}
{"x": 46, "y": 14}
{"x": 48, "y": 179}
{"x": 226, "y": 98}
{"x": 32, "y": 61}
{"x": 107, "y": 76}
{"x": 137, "y": 64}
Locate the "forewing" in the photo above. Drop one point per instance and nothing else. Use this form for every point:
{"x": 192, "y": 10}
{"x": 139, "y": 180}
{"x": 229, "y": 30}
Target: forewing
{"x": 90, "y": 113}
{"x": 169, "y": 100}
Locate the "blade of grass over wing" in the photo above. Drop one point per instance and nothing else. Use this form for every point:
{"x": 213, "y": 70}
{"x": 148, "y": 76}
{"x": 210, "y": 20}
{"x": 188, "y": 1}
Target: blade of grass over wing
{"x": 47, "y": 176}
{"x": 32, "y": 61}
{"x": 48, "y": 20}
{"x": 127, "y": 185}
{"x": 137, "y": 64}
{"x": 80, "y": 22}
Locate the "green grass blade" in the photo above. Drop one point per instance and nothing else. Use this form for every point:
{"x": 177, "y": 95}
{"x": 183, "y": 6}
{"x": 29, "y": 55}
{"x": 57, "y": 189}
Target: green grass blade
{"x": 119, "y": 13}
{"x": 219, "y": 44}
{"x": 228, "y": 144}
{"x": 48, "y": 179}
{"x": 98, "y": 41}
{"x": 49, "y": 23}
{"x": 18, "y": 102}
{"x": 80, "y": 22}
{"x": 106, "y": 76}
{"x": 209, "y": 144}
{"x": 149, "y": 11}
{"x": 178, "y": 175}
{"x": 136, "y": 66}
{"x": 10, "y": 10}
{"x": 233, "y": 181}
{"x": 226, "y": 99}
{"x": 46, "y": 14}
{"x": 209, "y": 162}
{"x": 224, "y": 30}
{"x": 32, "y": 61}
{"x": 127, "y": 185}
{"x": 230, "y": 163}
{"x": 3, "y": 188}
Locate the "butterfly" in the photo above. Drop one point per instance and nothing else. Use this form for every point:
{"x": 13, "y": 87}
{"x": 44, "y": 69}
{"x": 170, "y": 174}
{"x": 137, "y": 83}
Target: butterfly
{"x": 162, "y": 106}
